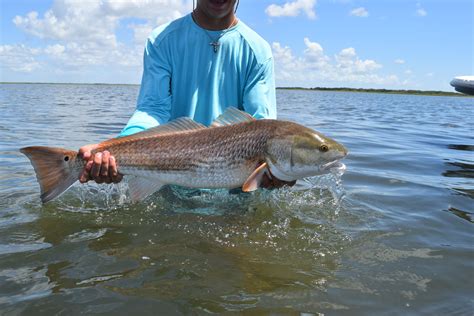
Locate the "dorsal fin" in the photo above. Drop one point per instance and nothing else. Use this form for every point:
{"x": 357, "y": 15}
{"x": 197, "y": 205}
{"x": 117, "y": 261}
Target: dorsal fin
{"x": 177, "y": 125}
{"x": 232, "y": 116}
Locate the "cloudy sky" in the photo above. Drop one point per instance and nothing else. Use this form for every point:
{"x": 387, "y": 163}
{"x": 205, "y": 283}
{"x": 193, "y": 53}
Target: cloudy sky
{"x": 399, "y": 44}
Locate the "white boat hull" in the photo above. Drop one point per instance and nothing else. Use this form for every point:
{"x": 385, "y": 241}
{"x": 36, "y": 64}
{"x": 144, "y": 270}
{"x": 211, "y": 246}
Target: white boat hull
{"x": 464, "y": 84}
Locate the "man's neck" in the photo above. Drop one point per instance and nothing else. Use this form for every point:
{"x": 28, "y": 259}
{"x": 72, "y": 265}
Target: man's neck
{"x": 213, "y": 24}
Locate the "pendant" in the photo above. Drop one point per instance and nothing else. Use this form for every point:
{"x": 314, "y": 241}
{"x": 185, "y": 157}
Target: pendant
{"x": 215, "y": 45}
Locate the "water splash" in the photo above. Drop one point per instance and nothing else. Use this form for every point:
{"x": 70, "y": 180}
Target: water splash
{"x": 332, "y": 182}
{"x": 92, "y": 197}
{"x": 324, "y": 191}
{"x": 313, "y": 197}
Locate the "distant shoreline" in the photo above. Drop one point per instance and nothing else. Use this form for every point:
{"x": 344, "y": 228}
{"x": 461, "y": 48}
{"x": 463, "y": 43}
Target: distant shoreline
{"x": 342, "y": 89}
{"x": 385, "y": 91}
{"x": 75, "y": 83}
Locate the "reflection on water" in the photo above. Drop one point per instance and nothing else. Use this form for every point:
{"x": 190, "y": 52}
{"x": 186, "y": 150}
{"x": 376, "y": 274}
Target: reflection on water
{"x": 463, "y": 170}
{"x": 390, "y": 236}
{"x": 461, "y": 166}
{"x": 461, "y": 147}
{"x": 467, "y": 192}
{"x": 462, "y": 214}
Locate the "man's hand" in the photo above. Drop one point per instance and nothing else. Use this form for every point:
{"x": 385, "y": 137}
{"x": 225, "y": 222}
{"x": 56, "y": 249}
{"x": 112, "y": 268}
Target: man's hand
{"x": 100, "y": 167}
{"x": 269, "y": 181}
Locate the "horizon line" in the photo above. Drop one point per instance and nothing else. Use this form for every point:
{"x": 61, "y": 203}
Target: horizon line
{"x": 278, "y": 88}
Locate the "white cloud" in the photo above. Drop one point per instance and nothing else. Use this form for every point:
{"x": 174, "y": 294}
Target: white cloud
{"x": 141, "y": 32}
{"x": 349, "y": 63}
{"x": 55, "y": 50}
{"x": 399, "y": 61}
{"x": 408, "y": 72}
{"x": 360, "y": 12}
{"x": 96, "y": 21}
{"x": 313, "y": 48}
{"x": 294, "y": 8}
{"x": 84, "y": 33}
{"x": 420, "y": 11}
{"x": 285, "y": 63}
{"x": 19, "y": 58}
{"x": 314, "y": 67}
{"x": 158, "y": 11}
{"x": 81, "y": 21}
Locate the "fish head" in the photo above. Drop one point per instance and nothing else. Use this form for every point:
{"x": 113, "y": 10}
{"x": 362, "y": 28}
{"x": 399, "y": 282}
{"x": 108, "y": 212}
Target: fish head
{"x": 303, "y": 152}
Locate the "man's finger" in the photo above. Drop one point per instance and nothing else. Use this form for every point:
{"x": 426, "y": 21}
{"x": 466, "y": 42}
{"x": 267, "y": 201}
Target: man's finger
{"x": 118, "y": 178}
{"x": 277, "y": 183}
{"x": 86, "y": 155}
{"x": 104, "y": 168}
{"x": 113, "y": 170}
{"x": 266, "y": 183}
{"x": 95, "y": 172}
{"x": 113, "y": 166}
{"x": 84, "y": 176}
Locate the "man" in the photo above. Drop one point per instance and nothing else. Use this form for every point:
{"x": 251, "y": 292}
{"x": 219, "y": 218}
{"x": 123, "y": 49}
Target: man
{"x": 197, "y": 66}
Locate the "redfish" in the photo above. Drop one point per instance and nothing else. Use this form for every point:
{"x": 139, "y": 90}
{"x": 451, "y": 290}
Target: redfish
{"x": 235, "y": 151}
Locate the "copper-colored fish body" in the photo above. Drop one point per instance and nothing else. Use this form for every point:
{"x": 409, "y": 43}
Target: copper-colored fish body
{"x": 186, "y": 153}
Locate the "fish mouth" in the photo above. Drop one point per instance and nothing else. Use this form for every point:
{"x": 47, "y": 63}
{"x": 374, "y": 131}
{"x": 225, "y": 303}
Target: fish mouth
{"x": 333, "y": 166}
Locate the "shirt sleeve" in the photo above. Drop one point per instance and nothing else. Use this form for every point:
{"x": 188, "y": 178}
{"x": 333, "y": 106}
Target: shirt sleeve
{"x": 154, "y": 99}
{"x": 259, "y": 98}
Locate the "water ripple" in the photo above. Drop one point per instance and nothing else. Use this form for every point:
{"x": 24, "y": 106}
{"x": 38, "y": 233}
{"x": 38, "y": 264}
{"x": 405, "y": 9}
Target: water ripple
{"x": 391, "y": 236}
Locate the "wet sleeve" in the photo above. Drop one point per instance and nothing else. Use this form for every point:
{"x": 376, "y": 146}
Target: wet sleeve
{"x": 259, "y": 98}
{"x": 154, "y": 99}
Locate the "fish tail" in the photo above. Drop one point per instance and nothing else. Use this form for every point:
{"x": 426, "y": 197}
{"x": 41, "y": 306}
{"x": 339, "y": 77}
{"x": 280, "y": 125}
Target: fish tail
{"x": 55, "y": 169}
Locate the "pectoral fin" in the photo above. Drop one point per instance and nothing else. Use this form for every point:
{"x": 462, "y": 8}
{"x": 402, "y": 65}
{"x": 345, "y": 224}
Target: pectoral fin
{"x": 140, "y": 187}
{"x": 253, "y": 182}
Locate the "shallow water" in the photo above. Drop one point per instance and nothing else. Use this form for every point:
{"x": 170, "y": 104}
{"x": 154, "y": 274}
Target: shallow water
{"x": 393, "y": 235}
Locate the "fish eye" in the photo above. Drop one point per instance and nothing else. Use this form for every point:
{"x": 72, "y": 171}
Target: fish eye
{"x": 323, "y": 148}
{"x": 66, "y": 158}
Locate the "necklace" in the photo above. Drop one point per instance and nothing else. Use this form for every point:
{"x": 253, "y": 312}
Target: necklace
{"x": 215, "y": 42}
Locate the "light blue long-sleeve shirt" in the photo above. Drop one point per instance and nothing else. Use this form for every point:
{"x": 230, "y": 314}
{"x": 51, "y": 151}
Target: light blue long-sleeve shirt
{"x": 183, "y": 76}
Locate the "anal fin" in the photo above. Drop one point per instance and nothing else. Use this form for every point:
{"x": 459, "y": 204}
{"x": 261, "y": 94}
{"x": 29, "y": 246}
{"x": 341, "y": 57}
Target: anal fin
{"x": 255, "y": 179}
{"x": 140, "y": 187}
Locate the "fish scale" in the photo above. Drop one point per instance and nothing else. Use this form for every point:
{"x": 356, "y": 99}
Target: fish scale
{"x": 188, "y": 147}
{"x": 225, "y": 155}
{"x": 235, "y": 151}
